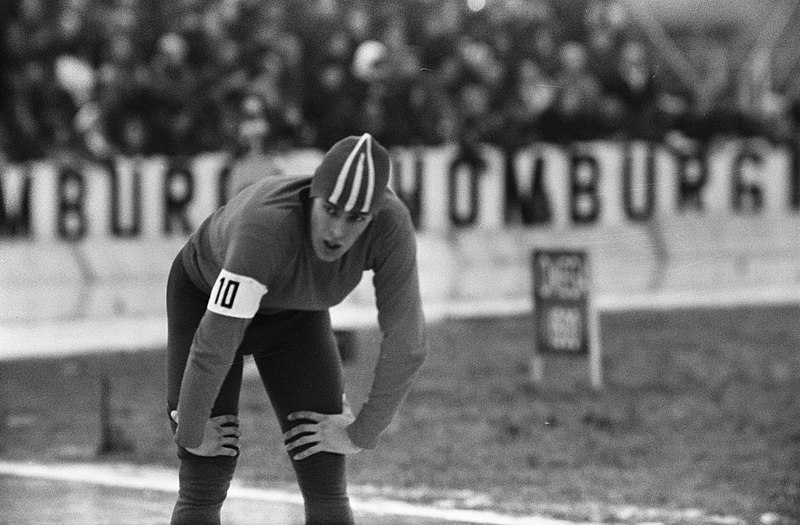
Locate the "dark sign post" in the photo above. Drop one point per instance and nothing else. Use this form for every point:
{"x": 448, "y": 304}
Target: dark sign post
{"x": 564, "y": 320}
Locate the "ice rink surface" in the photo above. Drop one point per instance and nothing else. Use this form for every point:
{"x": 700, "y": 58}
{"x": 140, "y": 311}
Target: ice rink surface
{"x": 92, "y": 494}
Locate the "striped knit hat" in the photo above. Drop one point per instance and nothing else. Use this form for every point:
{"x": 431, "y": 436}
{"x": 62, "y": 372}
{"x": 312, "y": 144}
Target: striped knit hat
{"x": 354, "y": 174}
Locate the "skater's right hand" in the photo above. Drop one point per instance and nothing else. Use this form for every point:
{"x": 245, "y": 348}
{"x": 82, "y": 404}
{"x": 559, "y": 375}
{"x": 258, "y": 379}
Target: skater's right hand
{"x": 220, "y": 437}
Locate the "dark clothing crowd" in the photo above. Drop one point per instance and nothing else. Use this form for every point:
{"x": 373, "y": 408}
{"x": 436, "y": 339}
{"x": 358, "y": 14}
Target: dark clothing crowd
{"x": 146, "y": 77}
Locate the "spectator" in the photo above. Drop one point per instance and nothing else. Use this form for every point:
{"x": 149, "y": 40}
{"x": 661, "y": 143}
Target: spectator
{"x": 574, "y": 115}
{"x": 542, "y": 46}
{"x": 270, "y": 83}
{"x": 254, "y": 126}
{"x": 432, "y": 111}
{"x": 606, "y": 25}
{"x": 762, "y": 111}
{"x": 442, "y": 25}
{"x": 711, "y": 110}
{"x": 389, "y": 69}
{"x": 172, "y": 90}
{"x": 633, "y": 95}
{"x": 416, "y": 71}
{"x": 532, "y": 94}
{"x": 331, "y": 104}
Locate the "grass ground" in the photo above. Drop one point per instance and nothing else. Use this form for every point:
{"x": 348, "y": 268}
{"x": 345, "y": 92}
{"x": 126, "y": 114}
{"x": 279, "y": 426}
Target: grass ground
{"x": 701, "y": 410}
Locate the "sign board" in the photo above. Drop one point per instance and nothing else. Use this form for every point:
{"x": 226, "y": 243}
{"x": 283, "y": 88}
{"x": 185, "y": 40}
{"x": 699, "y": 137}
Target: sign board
{"x": 563, "y": 317}
{"x": 561, "y": 302}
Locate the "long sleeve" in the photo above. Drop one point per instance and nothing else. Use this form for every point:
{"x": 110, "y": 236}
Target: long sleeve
{"x": 234, "y": 300}
{"x": 213, "y": 350}
{"x": 403, "y": 345}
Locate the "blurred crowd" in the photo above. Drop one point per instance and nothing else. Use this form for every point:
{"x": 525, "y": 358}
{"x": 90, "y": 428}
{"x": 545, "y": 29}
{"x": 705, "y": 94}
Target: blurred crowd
{"x": 180, "y": 77}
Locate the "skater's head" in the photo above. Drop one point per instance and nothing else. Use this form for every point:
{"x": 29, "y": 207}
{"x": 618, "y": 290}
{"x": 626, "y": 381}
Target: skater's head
{"x": 347, "y": 190}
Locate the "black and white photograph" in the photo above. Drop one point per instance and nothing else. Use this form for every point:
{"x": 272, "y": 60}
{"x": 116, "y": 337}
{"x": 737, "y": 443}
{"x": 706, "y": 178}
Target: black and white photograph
{"x": 407, "y": 262}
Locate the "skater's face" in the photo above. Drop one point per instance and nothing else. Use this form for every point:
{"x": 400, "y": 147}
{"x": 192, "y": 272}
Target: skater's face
{"x": 333, "y": 230}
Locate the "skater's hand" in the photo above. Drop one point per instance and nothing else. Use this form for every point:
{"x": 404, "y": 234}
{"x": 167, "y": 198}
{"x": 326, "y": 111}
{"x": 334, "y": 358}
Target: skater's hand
{"x": 327, "y": 432}
{"x": 220, "y": 437}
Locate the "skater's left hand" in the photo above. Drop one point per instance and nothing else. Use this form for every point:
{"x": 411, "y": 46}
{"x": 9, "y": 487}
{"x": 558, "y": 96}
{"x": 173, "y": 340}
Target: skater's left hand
{"x": 327, "y": 432}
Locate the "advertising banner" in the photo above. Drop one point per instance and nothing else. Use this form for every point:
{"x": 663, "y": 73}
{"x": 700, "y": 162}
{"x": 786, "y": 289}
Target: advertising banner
{"x": 446, "y": 188}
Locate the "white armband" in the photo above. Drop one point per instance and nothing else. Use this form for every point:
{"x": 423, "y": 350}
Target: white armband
{"x": 236, "y": 295}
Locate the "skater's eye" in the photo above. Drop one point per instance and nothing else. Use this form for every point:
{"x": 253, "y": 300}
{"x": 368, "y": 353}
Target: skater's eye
{"x": 358, "y": 217}
{"x": 331, "y": 210}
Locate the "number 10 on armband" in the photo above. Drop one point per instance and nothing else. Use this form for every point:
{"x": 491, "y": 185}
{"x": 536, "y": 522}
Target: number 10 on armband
{"x": 564, "y": 319}
{"x": 235, "y": 295}
{"x": 225, "y": 292}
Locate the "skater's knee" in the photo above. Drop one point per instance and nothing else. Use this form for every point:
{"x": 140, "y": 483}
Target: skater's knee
{"x": 203, "y": 487}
